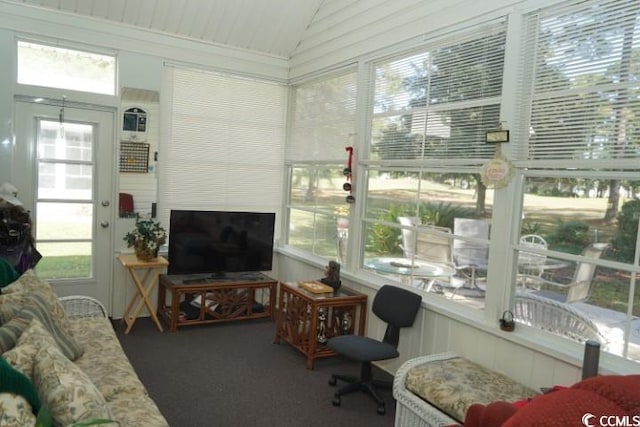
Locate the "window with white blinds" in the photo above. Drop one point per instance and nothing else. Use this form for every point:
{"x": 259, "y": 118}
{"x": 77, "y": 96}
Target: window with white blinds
{"x": 322, "y": 123}
{"x": 585, "y": 97}
{"x": 438, "y": 103}
{"x": 322, "y": 118}
{"x": 226, "y": 148}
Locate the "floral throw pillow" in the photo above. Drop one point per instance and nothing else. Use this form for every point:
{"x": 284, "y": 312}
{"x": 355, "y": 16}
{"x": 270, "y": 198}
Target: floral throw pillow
{"x": 22, "y": 356}
{"x": 66, "y": 390}
{"x": 35, "y": 307}
{"x": 30, "y": 284}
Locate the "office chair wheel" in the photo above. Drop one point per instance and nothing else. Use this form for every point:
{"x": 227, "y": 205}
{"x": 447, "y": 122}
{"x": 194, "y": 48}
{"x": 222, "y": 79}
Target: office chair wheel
{"x": 336, "y": 401}
{"x": 333, "y": 380}
{"x": 381, "y": 409}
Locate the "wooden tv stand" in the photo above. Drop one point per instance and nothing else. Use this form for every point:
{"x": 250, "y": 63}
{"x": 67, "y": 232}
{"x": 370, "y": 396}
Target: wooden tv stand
{"x": 224, "y": 299}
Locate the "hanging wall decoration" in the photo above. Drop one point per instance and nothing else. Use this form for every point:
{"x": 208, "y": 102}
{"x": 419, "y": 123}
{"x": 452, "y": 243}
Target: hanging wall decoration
{"x": 498, "y": 172}
{"x": 348, "y": 173}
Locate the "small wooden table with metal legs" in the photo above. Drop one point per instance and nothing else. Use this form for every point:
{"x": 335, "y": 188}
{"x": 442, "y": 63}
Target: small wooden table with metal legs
{"x": 144, "y": 286}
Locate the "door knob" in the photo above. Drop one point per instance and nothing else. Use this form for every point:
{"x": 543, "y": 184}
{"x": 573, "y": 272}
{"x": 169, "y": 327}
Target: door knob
{"x": 106, "y": 203}
{"x": 104, "y": 224}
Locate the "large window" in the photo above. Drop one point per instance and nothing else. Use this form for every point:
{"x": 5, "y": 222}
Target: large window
{"x": 564, "y": 254}
{"x": 430, "y": 112}
{"x": 580, "y": 165}
{"x": 53, "y": 66}
{"x": 322, "y": 126}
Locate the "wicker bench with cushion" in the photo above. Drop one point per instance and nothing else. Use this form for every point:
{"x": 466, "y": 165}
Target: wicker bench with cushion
{"x": 438, "y": 389}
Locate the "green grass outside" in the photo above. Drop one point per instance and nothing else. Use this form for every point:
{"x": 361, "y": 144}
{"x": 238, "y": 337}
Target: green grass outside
{"x": 70, "y": 266}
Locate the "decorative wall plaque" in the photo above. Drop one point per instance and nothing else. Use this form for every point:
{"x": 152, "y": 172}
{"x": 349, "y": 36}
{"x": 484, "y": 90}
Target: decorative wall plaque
{"x": 134, "y": 157}
{"x": 497, "y": 173}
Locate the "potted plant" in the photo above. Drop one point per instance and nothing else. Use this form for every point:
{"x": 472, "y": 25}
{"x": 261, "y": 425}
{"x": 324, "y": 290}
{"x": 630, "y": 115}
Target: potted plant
{"x": 146, "y": 238}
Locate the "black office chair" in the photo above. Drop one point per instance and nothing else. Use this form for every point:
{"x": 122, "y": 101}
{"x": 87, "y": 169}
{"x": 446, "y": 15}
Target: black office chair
{"x": 398, "y": 308}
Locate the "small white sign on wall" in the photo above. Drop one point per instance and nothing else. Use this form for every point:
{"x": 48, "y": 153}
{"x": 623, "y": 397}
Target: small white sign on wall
{"x": 134, "y": 124}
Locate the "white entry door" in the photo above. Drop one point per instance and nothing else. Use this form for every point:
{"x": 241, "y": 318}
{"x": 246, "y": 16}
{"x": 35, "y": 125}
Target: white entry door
{"x": 69, "y": 155}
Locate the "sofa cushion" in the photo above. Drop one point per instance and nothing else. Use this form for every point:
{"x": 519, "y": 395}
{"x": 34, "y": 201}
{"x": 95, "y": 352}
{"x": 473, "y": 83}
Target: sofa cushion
{"x": 35, "y": 307}
{"x": 30, "y": 284}
{"x": 453, "y": 384}
{"x": 564, "y": 408}
{"x": 135, "y": 409}
{"x": 620, "y": 389}
{"x": 106, "y": 364}
{"x": 604, "y": 395}
{"x": 22, "y": 356}
{"x": 66, "y": 390}
{"x": 9, "y": 305}
{"x": 104, "y": 361}
{"x": 492, "y": 415}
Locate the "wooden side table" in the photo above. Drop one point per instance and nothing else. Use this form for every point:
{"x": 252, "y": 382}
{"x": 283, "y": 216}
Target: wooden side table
{"x": 145, "y": 277}
{"x": 307, "y": 320}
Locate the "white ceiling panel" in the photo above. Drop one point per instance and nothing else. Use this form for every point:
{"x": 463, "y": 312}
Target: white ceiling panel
{"x": 274, "y": 27}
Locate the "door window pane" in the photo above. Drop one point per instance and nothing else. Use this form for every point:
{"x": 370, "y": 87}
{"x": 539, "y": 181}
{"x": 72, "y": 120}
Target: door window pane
{"x": 67, "y": 141}
{"x": 64, "y": 229}
{"x": 66, "y": 260}
{"x": 315, "y": 232}
{"x": 65, "y": 181}
{"x": 64, "y": 221}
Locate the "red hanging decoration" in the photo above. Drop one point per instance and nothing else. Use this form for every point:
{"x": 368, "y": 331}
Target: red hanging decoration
{"x": 348, "y": 172}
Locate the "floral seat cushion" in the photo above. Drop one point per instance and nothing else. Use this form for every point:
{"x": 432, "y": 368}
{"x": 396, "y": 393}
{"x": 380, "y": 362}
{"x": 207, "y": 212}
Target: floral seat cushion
{"x": 454, "y": 384}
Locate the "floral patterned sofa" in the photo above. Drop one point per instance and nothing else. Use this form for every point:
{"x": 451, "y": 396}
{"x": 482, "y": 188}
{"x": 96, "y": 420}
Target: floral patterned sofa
{"x": 437, "y": 390}
{"x": 65, "y": 363}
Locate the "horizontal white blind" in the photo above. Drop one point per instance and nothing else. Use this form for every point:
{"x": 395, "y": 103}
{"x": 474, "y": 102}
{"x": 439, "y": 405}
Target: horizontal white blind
{"x": 322, "y": 115}
{"x": 585, "y": 98}
{"x": 227, "y": 144}
{"x": 438, "y": 103}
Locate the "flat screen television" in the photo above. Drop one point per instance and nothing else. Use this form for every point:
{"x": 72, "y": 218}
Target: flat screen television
{"x": 218, "y": 242}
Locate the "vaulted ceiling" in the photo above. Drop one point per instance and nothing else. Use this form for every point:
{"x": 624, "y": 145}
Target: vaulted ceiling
{"x": 273, "y": 27}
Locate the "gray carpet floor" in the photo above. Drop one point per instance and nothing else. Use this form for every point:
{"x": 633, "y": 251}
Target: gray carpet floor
{"x": 232, "y": 374}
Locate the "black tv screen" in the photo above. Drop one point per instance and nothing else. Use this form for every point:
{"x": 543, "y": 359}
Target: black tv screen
{"x": 219, "y": 242}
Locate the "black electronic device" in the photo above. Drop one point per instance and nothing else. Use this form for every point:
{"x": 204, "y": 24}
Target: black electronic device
{"x": 591, "y": 361}
{"x": 218, "y": 242}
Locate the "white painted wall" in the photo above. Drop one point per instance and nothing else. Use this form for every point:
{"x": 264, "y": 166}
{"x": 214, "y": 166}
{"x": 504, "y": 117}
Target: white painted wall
{"x": 143, "y": 186}
{"x": 7, "y": 69}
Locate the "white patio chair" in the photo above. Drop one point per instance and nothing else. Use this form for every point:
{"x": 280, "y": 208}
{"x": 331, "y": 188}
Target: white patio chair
{"x": 580, "y": 286}
{"x": 429, "y": 243}
{"x": 408, "y": 236}
{"x": 469, "y": 257}
{"x": 530, "y": 263}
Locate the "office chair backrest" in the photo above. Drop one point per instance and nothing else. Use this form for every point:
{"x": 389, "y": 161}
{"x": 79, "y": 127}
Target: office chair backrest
{"x": 398, "y": 308}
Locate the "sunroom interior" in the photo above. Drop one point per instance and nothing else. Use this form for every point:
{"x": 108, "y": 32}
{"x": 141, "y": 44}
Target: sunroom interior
{"x": 506, "y": 130}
